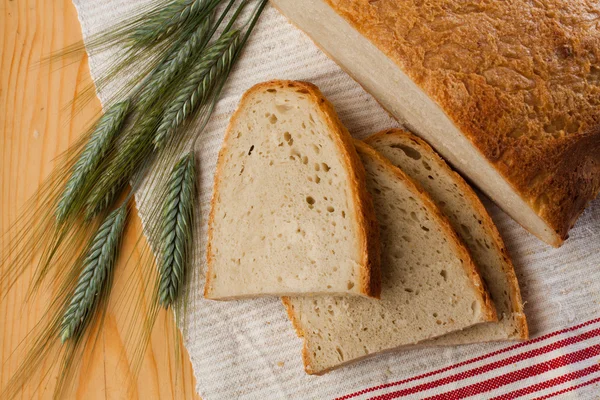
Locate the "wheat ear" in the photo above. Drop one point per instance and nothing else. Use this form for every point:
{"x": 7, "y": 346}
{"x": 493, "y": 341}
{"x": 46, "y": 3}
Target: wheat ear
{"x": 101, "y": 140}
{"x": 195, "y": 89}
{"x": 177, "y": 221}
{"x": 97, "y": 265}
{"x": 136, "y": 148}
{"x": 173, "y": 65}
{"x": 170, "y": 18}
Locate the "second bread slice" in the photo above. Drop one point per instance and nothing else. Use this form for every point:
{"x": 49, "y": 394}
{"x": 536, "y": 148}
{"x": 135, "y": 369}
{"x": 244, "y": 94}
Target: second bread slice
{"x": 430, "y": 286}
{"x": 471, "y": 221}
{"x": 290, "y": 213}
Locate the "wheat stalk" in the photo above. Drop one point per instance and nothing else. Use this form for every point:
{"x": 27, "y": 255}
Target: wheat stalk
{"x": 97, "y": 265}
{"x": 170, "y": 18}
{"x": 194, "y": 91}
{"x": 176, "y": 236}
{"x": 100, "y": 141}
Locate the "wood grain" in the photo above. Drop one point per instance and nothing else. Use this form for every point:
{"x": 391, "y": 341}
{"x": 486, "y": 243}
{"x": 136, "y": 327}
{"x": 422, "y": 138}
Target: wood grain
{"x": 37, "y": 123}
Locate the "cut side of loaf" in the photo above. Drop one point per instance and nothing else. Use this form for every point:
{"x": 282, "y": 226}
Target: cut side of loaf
{"x": 290, "y": 213}
{"x": 430, "y": 286}
{"x": 470, "y": 220}
{"x": 505, "y": 91}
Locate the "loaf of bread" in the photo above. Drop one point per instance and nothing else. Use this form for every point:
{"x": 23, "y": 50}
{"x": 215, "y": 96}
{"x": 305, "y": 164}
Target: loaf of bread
{"x": 290, "y": 212}
{"x": 472, "y": 223}
{"x": 507, "y": 92}
{"x": 430, "y": 285}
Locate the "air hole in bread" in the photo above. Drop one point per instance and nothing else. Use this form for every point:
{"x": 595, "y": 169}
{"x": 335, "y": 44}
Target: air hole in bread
{"x": 444, "y": 274}
{"x": 413, "y": 215}
{"x": 325, "y": 167}
{"x": 251, "y": 149}
{"x": 282, "y": 108}
{"x": 426, "y": 165}
{"x": 310, "y": 200}
{"x": 350, "y": 285}
{"x": 409, "y": 151}
{"x": 330, "y": 209}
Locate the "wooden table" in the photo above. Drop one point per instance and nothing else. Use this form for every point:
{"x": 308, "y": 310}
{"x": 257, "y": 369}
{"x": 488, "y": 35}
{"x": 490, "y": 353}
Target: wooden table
{"x": 37, "y": 124}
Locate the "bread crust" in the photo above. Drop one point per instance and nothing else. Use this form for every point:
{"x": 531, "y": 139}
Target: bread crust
{"x": 370, "y": 274}
{"x": 518, "y": 80}
{"x": 487, "y": 224}
{"x": 488, "y": 309}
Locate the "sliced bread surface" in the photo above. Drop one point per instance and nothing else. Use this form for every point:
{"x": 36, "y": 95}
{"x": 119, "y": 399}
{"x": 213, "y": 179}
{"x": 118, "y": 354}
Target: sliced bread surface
{"x": 290, "y": 213}
{"x": 470, "y": 220}
{"x": 430, "y": 285}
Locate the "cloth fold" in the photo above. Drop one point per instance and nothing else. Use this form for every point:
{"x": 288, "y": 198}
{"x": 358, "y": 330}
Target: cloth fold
{"x": 248, "y": 349}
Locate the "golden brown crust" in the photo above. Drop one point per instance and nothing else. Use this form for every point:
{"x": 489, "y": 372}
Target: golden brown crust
{"x": 519, "y": 79}
{"x": 487, "y": 223}
{"x": 436, "y": 214}
{"x": 370, "y": 278}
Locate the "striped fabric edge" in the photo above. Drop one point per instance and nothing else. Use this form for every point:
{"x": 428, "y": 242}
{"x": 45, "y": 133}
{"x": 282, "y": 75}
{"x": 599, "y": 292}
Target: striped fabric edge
{"x": 500, "y": 380}
{"x": 488, "y": 367}
{"x": 569, "y": 389}
{"x": 549, "y": 383}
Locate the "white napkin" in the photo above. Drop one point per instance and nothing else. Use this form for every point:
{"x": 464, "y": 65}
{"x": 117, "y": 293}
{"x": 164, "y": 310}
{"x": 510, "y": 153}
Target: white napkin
{"x": 247, "y": 349}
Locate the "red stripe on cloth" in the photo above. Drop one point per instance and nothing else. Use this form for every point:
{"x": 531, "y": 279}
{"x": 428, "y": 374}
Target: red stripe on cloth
{"x": 470, "y": 361}
{"x": 506, "y": 379}
{"x": 549, "y": 383}
{"x": 496, "y": 364}
{"x": 570, "y": 389}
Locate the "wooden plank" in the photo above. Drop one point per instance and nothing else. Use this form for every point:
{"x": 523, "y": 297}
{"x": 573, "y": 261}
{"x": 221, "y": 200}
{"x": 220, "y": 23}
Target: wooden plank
{"x": 37, "y": 123}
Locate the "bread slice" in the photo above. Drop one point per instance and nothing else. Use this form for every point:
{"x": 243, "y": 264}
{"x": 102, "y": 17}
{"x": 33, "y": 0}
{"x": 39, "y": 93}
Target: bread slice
{"x": 507, "y": 92}
{"x": 471, "y": 221}
{"x": 290, "y": 213}
{"x": 430, "y": 286}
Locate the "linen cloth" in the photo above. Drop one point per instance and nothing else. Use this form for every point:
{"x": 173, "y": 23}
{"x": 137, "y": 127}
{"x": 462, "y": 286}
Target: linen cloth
{"x": 248, "y": 349}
